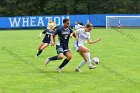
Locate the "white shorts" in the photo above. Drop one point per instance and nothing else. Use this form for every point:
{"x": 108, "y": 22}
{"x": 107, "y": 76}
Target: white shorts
{"x": 77, "y": 45}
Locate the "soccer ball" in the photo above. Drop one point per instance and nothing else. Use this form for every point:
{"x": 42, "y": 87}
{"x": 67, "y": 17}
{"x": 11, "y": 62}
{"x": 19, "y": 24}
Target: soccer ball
{"x": 95, "y": 60}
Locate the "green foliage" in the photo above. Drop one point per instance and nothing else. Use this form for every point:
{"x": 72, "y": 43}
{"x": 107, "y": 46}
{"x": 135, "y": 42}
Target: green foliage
{"x": 57, "y": 7}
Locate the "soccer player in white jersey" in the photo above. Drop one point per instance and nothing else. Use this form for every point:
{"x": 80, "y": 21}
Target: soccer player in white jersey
{"x": 84, "y": 35}
{"x": 77, "y": 25}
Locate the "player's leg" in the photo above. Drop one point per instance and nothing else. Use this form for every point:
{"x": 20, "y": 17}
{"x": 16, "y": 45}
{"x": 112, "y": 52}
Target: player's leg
{"x": 84, "y": 52}
{"x": 83, "y": 55}
{"x": 81, "y": 50}
{"x": 78, "y": 49}
{"x": 40, "y": 45}
{"x": 57, "y": 57}
{"x": 39, "y": 51}
{"x": 41, "y": 48}
{"x": 44, "y": 46}
{"x": 59, "y": 52}
{"x": 68, "y": 58}
{"x": 83, "y": 62}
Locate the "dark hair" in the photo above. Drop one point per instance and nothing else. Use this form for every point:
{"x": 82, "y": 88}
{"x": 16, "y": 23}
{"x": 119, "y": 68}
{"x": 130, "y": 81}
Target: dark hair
{"x": 65, "y": 20}
{"x": 77, "y": 22}
{"x": 89, "y": 25}
{"x": 81, "y": 23}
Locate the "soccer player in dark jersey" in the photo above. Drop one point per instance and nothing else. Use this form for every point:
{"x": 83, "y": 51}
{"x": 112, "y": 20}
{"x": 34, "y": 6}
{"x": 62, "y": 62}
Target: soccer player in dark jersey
{"x": 64, "y": 33}
{"x": 46, "y": 40}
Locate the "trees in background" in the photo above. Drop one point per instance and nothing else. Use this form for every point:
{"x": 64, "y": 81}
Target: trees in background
{"x": 60, "y": 7}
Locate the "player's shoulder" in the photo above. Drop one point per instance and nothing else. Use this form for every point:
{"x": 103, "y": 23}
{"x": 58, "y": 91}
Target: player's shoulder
{"x": 60, "y": 28}
{"x": 80, "y": 29}
{"x": 88, "y": 33}
{"x": 53, "y": 30}
{"x": 79, "y": 25}
{"x": 46, "y": 30}
{"x": 70, "y": 28}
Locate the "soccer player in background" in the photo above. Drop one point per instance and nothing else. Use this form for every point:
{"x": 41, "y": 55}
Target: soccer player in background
{"x": 62, "y": 47}
{"x": 50, "y": 22}
{"x": 119, "y": 25}
{"x": 88, "y": 22}
{"x": 46, "y": 40}
{"x": 77, "y": 25}
{"x": 84, "y": 35}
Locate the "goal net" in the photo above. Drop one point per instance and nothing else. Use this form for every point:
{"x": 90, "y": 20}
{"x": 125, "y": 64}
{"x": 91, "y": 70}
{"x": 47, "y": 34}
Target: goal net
{"x": 122, "y": 21}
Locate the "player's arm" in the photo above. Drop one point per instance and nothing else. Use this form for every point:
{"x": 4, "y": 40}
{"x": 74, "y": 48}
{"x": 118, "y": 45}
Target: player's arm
{"x": 76, "y": 33}
{"x": 41, "y": 33}
{"x": 73, "y": 34}
{"x": 93, "y": 42}
{"x": 80, "y": 26}
{"x": 52, "y": 39}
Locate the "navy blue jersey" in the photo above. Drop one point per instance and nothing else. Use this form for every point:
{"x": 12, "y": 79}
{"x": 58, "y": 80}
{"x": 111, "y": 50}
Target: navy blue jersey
{"x": 63, "y": 36}
{"x": 47, "y": 36}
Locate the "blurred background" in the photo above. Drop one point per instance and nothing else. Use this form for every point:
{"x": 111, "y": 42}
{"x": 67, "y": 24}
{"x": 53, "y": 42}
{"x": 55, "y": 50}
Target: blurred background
{"x": 35, "y": 13}
{"x": 61, "y": 7}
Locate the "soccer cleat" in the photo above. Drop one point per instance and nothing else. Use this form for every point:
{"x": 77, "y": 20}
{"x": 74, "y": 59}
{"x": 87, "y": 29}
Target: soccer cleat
{"x": 77, "y": 69}
{"x": 91, "y": 67}
{"x": 47, "y": 61}
{"x": 59, "y": 70}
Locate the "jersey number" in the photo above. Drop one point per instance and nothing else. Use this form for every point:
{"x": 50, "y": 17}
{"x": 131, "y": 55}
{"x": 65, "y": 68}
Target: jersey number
{"x": 66, "y": 36}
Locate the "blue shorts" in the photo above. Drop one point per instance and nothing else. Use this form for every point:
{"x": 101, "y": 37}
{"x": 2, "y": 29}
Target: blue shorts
{"x": 46, "y": 41}
{"x": 61, "y": 49}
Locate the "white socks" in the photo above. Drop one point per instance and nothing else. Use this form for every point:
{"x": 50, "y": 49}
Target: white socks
{"x": 81, "y": 64}
{"x": 88, "y": 58}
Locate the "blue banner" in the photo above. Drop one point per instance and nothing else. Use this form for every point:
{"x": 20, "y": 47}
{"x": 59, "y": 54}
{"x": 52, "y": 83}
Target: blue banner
{"x": 41, "y": 21}
{"x": 29, "y": 21}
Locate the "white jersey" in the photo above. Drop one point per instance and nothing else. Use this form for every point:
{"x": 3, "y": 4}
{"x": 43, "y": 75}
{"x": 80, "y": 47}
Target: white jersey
{"x": 82, "y": 36}
{"x": 78, "y": 26}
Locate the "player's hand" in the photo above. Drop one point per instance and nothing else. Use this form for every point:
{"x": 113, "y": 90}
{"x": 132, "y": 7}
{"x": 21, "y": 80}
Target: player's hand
{"x": 71, "y": 35}
{"x": 52, "y": 43}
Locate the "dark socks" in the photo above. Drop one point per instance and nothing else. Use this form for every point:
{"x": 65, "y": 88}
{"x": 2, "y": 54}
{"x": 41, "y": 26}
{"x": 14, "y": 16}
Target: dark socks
{"x": 39, "y": 52}
{"x": 53, "y": 58}
{"x": 63, "y": 63}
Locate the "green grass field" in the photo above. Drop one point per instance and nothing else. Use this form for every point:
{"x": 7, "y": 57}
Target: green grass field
{"x": 118, "y": 71}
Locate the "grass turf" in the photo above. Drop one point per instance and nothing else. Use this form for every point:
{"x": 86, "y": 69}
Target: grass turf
{"x": 118, "y": 71}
